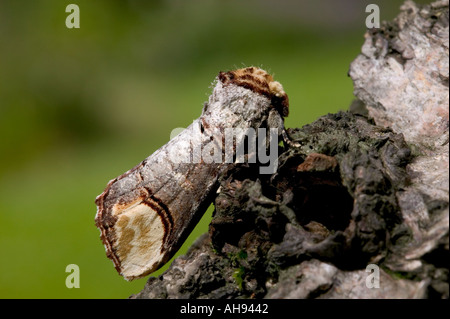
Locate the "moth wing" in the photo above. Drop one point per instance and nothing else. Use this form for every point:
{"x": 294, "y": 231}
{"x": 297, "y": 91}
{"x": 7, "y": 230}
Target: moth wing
{"x": 146, "y": 214}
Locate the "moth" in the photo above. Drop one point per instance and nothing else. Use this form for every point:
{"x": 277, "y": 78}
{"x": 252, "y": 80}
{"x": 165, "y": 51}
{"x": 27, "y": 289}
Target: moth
{"x": 146, "y": 214}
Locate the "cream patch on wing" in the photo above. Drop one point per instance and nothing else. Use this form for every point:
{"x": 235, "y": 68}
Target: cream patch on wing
{"x": 139, "y": 237}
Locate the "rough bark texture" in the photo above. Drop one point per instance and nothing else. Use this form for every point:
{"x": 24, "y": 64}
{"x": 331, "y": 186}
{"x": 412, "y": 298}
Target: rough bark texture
{"x": 360, "y": 190}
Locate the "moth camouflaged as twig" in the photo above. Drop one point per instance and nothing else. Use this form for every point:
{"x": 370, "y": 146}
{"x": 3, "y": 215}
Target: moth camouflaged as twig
{"x": 145, "y": 214}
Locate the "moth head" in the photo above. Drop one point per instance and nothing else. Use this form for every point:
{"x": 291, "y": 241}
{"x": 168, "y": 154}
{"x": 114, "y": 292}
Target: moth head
{"x": 261, "y": 82}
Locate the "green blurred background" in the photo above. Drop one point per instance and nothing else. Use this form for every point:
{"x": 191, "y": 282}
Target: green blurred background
{"x": 78, "y": 107}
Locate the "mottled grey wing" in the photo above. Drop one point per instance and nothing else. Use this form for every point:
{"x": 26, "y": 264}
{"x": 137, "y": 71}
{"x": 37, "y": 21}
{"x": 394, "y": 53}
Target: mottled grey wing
{"x": 146, "y": 214}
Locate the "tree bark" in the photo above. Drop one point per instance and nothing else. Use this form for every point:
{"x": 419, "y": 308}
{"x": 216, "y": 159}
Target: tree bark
{"x": 366, "y": 187}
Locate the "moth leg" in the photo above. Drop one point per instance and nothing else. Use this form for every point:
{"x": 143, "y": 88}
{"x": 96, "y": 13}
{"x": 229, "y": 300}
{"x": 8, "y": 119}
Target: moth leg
{"x": 274, "y": 120}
